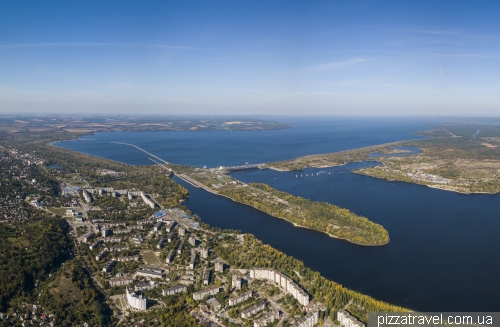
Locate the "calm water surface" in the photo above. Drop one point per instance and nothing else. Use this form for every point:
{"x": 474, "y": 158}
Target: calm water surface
{"x": 443, "y": 253}
{"x": 213, "y": 149}
{"x": 443, "y": 250}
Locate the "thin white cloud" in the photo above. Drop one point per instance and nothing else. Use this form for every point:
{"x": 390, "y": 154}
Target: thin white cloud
{"x": 90, "y": 44}
{"x": 436, "y": 32}
{"x": 338, "y": 64}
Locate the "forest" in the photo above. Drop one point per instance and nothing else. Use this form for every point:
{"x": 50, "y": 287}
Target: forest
{"x": 322, "y": 216}
{"x": 29, "y": 252}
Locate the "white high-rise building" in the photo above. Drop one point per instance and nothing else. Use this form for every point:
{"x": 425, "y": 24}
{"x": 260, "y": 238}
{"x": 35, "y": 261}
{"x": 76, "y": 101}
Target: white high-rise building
{"x": 136, "y": 301}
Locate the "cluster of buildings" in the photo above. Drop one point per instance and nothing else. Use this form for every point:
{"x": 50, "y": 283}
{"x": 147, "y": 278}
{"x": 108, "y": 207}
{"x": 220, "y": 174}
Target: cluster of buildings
{"x": 87, "y": 194}
{"x": 421, "y": 176}
{"x": 285, "y": 282}
{"x": 137, "y": 300}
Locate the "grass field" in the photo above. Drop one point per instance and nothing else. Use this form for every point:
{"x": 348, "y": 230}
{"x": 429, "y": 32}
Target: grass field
{"x": 58, "y": 211}
{"x": 63, "y": 288}
{"x": 150, "y": 258}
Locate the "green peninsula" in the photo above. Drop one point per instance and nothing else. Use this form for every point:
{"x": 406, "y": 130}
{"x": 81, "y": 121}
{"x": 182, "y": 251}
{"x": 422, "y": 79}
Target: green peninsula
{"x": 322, "y": 216}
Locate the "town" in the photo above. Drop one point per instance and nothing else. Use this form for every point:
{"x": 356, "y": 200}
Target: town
{"x": 148, "y": 259}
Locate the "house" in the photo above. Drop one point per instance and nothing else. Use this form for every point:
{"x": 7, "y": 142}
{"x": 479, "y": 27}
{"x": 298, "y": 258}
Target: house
{"x": 170, "y": 256}
{"x": 253, "y": 310}
{"x": 107, "y": 268}
{"x": 87, "y": 237}
{"x": 268, "y": 318}
{"x": 214, "y": 303}
{"x": 161, "y": 243}
{"x": 192, "y": 261}
{"x": 120, "y": 281}
{"x": 174, "y": 290}
{"x": 180, "y": 248}
{"x": 310, "y": 319}
{"x": 219, "y": 266}
{"x": 137, "y": 239}
{"x": 208, "y": 291}
{"x": 240, "y": 298}
{"x": 150, "y": 272}
{"x": 101, "y": 254}
{"x": 206, "y": 276}
{"x": 204, "y": 253}
{"x": 347, "y": 320}
{"x": 95, "y": 245}
{"x": 146, "y": 286}
{"x": 169, "y": 225}
{"x": 158, "y": 226}
{"x": 236, "y": 281}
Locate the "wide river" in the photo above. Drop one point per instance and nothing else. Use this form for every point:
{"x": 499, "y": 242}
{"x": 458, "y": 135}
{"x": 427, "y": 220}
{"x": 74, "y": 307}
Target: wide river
{"x": 443, "y": 250}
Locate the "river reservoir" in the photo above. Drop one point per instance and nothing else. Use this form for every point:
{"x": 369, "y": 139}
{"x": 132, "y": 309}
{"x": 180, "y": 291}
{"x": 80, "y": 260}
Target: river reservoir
{"x": 443, "y": 253}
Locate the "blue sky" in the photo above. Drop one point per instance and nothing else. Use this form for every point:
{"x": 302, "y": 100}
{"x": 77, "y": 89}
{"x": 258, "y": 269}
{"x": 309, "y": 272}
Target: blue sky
{"x": 251, "y": 57}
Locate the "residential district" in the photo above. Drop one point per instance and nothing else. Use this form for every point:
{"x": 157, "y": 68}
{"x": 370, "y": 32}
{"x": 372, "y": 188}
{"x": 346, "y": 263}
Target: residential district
{"x": 182, "y": 263}
{"x": 139, "y": 263}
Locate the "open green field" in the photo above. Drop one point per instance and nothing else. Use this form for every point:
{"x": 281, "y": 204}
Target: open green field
{"x": 150, "y": 258}
{"x": 64, "y": 289}
{"x": 58, "y": 211}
